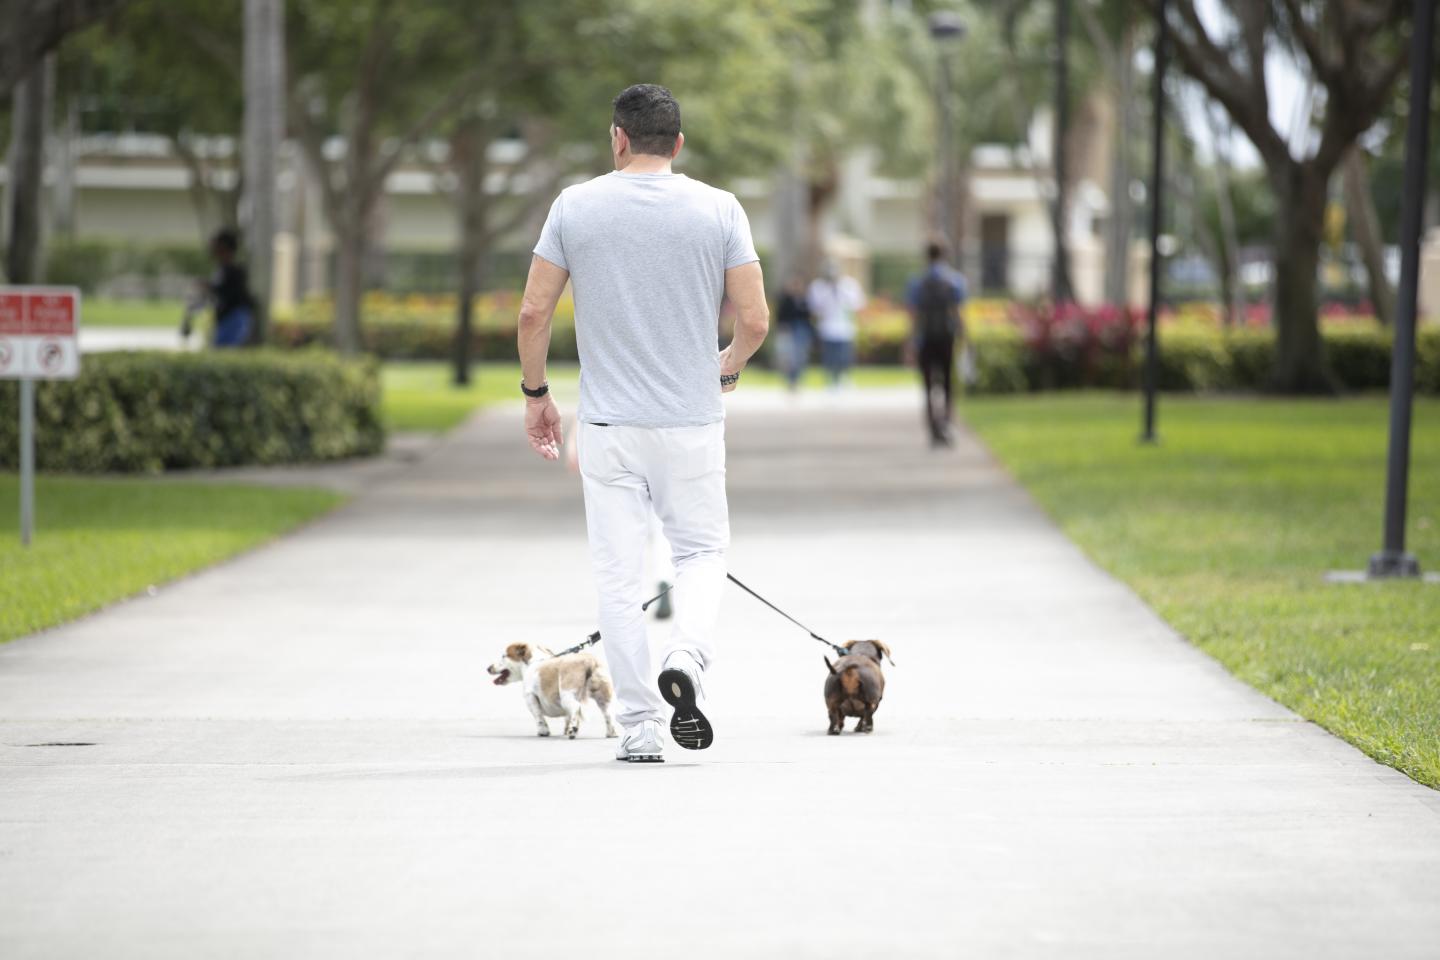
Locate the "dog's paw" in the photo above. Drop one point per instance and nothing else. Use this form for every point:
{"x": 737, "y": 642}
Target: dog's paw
{"x": 611, "y": 734}
{"x": 570, "y": 734}
{"x": 545, "y": 732}
{"x": 833, "y": 731}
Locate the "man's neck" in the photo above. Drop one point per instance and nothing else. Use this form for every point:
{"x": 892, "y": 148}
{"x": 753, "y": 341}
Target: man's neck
{"x": 647, "y": 163}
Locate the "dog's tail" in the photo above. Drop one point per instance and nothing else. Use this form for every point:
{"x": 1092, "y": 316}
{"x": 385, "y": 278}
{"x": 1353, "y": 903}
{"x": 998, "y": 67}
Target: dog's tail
{"x": 830, "y": 666}
{"x": 585, "y": 684}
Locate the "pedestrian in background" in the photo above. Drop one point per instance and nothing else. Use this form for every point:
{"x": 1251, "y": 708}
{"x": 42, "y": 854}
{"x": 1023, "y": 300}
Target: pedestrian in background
{"x": 934, "y": 299}
{"x": 228, "y": 291}
{"x": 797, "y": 330}
{"x": 833, "y": 299}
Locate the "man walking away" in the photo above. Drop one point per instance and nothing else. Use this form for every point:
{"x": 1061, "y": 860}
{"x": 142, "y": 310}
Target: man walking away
{"x": 649, "y": 254}
{"x": 935, "y": 298}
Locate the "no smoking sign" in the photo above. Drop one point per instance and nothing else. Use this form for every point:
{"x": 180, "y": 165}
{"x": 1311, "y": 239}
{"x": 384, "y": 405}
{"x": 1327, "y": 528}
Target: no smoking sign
{"x": 39, "y": 333}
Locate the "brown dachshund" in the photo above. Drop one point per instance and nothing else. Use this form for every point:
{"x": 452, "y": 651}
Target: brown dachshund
{"x": 856, "y": 685}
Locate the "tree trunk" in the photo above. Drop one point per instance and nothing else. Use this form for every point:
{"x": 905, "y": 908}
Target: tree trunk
{"x": 65, "y": 155}
{"x": 1300, "y": 365}
{"x": 263, "y": 81}
{"x": 960, "y": 216}
{"x": 27, "y": 148}
{"x": 1229, "y": 264}
{"x": 820, "y": 194}
{"x": 1062, "y": 291}
{"x": 468, "y": 150}
{"x": 30, "y": 31}
{"x": 1360, "y": 204}
{"x": 349, "y": 281}
{"x": 1122, "y": 216}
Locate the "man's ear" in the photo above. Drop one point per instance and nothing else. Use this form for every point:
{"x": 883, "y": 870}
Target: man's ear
{"x": 679, "y": 143}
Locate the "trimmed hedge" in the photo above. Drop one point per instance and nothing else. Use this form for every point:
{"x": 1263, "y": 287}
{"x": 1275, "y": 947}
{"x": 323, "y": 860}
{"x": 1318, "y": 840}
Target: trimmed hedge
{"x": 147, "y": 412}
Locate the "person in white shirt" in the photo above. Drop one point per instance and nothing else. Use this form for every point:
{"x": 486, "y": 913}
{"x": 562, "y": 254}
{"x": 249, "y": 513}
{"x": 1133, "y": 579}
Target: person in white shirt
{"x": 833, "y": 299}
{"x": 649, "y": 254}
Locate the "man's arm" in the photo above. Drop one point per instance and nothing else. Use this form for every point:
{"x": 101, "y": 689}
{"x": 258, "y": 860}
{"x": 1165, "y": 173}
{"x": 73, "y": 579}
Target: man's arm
{"x": 745, "y": 286}
{"x": 542, "y": 291}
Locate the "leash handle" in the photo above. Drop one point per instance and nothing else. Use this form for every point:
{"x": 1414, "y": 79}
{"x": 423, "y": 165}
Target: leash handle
{"x": 594, "y": 638}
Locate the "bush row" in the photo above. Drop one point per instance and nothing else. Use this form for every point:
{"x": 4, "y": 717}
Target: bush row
{"x": 1007, "y": 358}
{"x": 90, "y": 264}
{"x": 147, "y": 412}
{"x": 1190, "y": 361}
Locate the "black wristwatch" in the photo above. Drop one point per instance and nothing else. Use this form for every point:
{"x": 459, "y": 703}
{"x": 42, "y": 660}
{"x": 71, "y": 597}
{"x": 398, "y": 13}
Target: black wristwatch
{"x": 537, "y": 393}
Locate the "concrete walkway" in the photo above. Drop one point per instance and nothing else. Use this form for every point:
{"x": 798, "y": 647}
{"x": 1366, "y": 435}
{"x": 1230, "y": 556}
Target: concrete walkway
{"x": 298, "y": 754}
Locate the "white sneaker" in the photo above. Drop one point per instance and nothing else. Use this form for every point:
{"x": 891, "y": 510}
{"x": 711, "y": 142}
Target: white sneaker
{"x": 642, "y": 743}
{"x": 680, "y": 685}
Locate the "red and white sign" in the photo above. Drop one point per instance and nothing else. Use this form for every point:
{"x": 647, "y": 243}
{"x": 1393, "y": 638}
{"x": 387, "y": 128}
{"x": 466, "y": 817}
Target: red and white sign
{"x": 39, "y": 333}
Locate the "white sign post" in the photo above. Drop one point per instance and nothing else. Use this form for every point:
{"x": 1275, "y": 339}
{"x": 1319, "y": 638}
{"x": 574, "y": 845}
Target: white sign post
{"x": 39, "y": 340}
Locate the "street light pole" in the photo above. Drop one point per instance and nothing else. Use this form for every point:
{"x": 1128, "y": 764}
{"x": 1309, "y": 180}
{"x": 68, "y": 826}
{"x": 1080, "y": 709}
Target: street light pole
{"x": 1157, "y": 207}
{"x": 1392, "y": 560}
{"x": 947, "y": 158}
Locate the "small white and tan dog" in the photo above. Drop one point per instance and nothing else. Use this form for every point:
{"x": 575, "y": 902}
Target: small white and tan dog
{"x": 556, "y": 686}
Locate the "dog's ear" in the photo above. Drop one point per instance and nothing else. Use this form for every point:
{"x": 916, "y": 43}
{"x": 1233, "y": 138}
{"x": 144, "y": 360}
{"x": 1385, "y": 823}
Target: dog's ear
{"x": 828, "y": 665}
{"x": 880, "y": 645}
{"x": 518, "y": 651}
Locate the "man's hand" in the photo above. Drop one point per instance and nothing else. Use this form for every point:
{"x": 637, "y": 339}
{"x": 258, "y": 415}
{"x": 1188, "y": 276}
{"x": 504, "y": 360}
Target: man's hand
{"x": 542, "y": 425}
{"x": 730, "y": 365}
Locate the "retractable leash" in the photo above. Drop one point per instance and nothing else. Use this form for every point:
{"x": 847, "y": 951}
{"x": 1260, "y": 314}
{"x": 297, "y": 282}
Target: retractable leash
{"x": 589, "y": 641}
{"x": 839, "y": 650}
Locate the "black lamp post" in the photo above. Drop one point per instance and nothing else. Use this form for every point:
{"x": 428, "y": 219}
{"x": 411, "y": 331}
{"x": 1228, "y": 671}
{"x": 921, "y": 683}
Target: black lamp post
{"x": 1157, "y": 207}
{"x": 1392, "y": 560}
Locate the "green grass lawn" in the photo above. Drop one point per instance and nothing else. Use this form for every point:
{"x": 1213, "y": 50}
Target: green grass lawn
{"x": 95, "y": 312}
{"x": 1227, "y": 527}
{"x": 99, "y": 540}
{"x": 863, "y": 378}
{"x": 419, "y": 395}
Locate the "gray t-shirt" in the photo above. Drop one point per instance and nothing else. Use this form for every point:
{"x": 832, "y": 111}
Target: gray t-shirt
{"x": 647, "y": 255}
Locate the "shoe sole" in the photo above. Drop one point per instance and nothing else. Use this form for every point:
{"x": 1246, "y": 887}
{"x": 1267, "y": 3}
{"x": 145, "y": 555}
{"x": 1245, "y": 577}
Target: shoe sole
{"x": 645, "y": 758}
{"x": 688, "y": 727}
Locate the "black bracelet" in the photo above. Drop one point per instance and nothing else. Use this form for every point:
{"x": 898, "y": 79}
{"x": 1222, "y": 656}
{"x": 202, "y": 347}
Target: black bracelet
{"x": 537, "y": 393}
{"x": 727, "y": 379}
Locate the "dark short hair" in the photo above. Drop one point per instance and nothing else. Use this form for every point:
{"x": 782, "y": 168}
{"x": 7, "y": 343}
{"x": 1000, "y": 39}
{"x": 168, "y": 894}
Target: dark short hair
{"x": 935, "y": 251}
{"x": 650, "y": 117}
{"x": 227, "y": 238}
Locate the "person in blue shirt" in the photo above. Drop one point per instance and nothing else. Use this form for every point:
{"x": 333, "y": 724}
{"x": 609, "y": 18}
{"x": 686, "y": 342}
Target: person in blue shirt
{"x": 935, "y": 299}
{"x": 229, "y": 291}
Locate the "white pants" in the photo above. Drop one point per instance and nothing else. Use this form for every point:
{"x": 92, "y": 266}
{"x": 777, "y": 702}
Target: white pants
{"x": 679, "y": 472}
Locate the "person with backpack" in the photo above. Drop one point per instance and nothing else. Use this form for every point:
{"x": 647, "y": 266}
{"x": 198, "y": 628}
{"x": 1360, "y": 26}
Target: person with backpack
{"x": 935, "y": 299}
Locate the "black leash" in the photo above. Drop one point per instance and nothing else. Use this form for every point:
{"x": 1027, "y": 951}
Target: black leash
{"x": 589, "y": 641}
{"x": 839, "y": 650}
